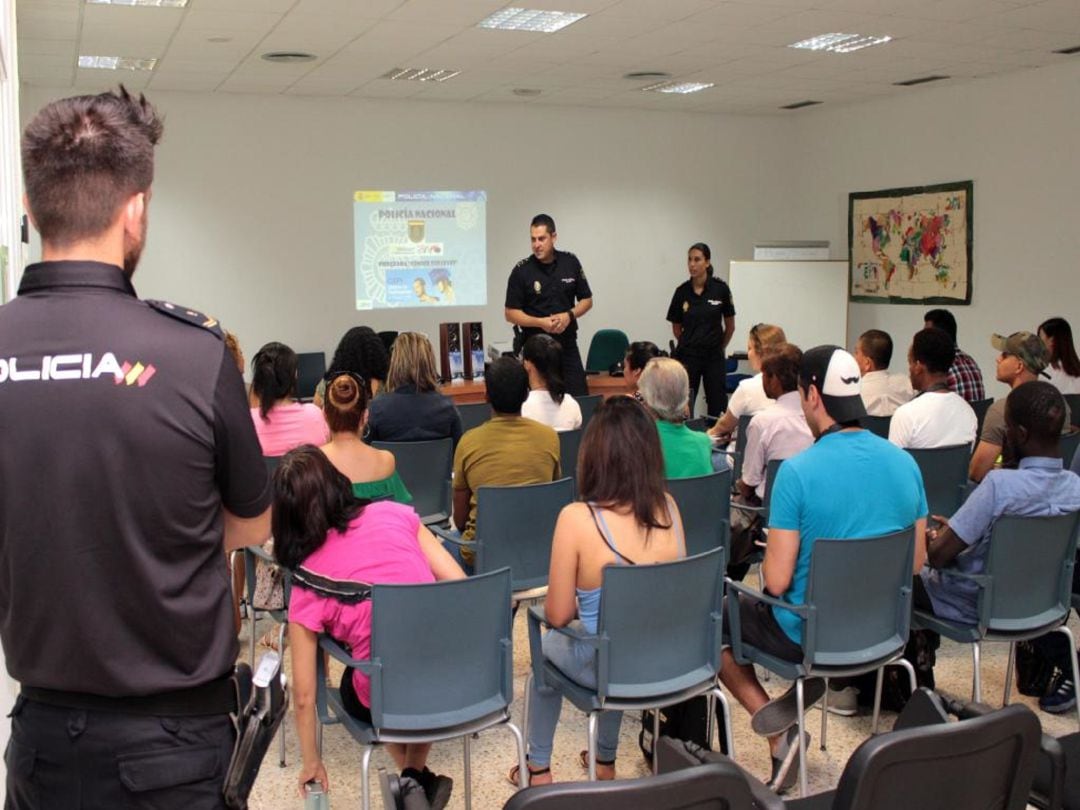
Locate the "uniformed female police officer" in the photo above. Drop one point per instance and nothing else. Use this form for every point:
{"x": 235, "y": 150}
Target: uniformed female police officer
{"x": 702, "y": 316}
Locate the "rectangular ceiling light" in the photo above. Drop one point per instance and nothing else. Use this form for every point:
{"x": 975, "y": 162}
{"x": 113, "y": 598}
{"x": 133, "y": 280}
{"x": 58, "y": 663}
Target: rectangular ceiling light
{"x": 116, "y": 63}
{"x": 527, "y": 19}
{"x": 839, "y": 43}
{"x": 419, "y": 74}
{"x": 150, "y": 3}
{"x": 682, "y": 88}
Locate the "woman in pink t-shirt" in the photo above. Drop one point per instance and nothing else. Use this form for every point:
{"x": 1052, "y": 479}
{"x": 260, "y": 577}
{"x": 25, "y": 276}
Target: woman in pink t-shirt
{"x": 320, "y": 525}
{"x": 281, "y": 423}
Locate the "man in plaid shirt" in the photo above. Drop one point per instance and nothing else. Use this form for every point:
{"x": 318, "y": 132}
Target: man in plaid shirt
{"x": 964, "y": 375}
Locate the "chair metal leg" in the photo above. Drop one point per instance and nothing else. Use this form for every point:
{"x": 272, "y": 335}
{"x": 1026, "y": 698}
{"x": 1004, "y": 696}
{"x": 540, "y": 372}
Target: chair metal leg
{"x": 655, "y": 741}
{"x": 1075, "y": 663}
{"x": 525, "y": 703}
{"x": 800, "y": 707}
{"x": 281, "y": 728}
{"x": 824, "y": 713}
{"x": 318, "y": 736}
{"x": 710, "y": 716}
{"x": 593, "y": 718}
{"x": 877, "y": 699}
{"x": 911, "y": 673}
{"x": 523, "y": 765}
{"x": 1009, "y": 674}
{"x": 727, "y": 722}
{"x": 467, "y": 744}
{"x": 365, "y": 788}
{"x": 976, "y": 678}
{"x": 251, "y": 624}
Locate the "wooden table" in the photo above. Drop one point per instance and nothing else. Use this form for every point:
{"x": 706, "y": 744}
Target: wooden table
{"x": 464, "y": 392}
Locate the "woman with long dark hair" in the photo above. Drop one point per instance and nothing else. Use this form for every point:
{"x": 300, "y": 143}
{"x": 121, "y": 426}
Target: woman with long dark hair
{"x": 1064, "y": 368}
{"x": 281, "y": 423}
{"x": 625, "y": 517}
{"x": 318, "y": 524}
{"x": 362, "y": 352}
{"x": 548, "y": 401}
{"x": 702, "y": 317}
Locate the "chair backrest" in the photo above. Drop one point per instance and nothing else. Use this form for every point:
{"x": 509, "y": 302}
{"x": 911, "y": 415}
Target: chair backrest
{"x": 980, "y": 406}
{"x": 660, "y": 625}
{"x": 697, "y": 423}
{"x": 1030, "y": 564}
{"x": 607, "y": 347}
{"x": 945, "y": 475}
{"x": 425, "y": 468}
{"x": 588, "y": 403}
{"x": 1069, "y": 443}
{"x": 878, "y": 425}
{"x": 740, "y": 444}
{"x": 715, "y": 786}
{"x": 704, "y": 502}
{"x": 771, "y": 469}
{"x": 473, "y": 414}
{"x": 514, "y": 527}
{"x": 859, "y": 592}
{"x": 310, "y": 368}
{"x": 569, "y": 444}
{"x": 1073, "y": 401}
{"x": 984, "y": 762}
{"x": 441, "y": 649}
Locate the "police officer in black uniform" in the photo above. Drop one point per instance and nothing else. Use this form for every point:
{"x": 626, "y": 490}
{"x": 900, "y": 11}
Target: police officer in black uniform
{"x": 702, "y": 316}
{"x": 130, "y": 466}
{"x": 547, "y": 292}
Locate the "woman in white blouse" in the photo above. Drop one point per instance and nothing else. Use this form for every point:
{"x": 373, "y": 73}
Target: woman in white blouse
{"x": 1064, "y": 368}
{"x": 749, "y": 396}
{"x": 548, "y": 402}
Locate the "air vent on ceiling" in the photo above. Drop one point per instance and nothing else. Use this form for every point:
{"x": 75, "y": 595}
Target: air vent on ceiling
{"x": 1069, "y": 51}
{"x": 419, "y": 74}
{"x": 921, "y": 80}
{"x": 288, "y": 57}
{"x": 798, "y": 105}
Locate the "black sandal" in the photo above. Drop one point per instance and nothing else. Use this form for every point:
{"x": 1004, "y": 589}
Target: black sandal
{"x": 515, "y": 772}
{"x": 584, "y": 759}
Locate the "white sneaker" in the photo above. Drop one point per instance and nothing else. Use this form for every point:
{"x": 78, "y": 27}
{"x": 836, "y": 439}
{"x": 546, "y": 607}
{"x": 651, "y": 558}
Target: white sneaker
{"x": 844, "y": 702}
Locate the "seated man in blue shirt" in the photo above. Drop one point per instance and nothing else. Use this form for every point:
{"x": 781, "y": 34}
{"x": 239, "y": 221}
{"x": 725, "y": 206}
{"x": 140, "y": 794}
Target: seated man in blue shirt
{"x": 850, "y": 484}
{"x": 1034, "y": 414}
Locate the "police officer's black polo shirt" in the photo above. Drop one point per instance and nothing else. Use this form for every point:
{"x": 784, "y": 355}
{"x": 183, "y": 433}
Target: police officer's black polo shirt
{"x": 125, "y": 430}
{"x": 540, "y": 290}
{"x": 702, "y": 316}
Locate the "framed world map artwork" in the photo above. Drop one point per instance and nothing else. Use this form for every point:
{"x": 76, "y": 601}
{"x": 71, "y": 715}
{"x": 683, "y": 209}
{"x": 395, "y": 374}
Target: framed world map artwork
{"x": 911, "y": 245}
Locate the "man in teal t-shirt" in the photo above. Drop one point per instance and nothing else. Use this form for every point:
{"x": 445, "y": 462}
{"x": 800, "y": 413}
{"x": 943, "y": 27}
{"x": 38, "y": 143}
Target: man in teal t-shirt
{"x": 665, "y": 389}
{"x": 849, "y": 484}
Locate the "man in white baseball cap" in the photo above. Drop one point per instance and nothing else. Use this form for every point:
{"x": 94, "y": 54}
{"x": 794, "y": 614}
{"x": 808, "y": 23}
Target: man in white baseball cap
{"x": 814, "y": 496}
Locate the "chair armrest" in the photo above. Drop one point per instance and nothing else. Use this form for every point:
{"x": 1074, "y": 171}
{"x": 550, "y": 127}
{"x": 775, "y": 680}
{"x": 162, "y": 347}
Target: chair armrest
{"x": 801, "y": 610}
{"x": 735, "y": 628}
{"x": 261, "y": 554}
{"x": 336, "y": 651}
{"x": 537, "y": 621}
{"x": 450, "y": 537}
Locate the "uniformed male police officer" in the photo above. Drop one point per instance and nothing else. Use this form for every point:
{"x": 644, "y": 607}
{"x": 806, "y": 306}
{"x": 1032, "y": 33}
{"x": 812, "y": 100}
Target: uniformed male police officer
{"x": 129, "y": 465}
{"x": 547, "y": 292}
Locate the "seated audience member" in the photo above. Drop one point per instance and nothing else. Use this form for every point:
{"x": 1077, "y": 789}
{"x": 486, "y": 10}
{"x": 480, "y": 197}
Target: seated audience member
{"x": 624, "y": 517}
{"x": 1034, "y": 416}
{"x": 507, "y": 450}
{"x": 1022, "y": 358}
{"x": 665, "y": 389}
{"x": 1064, "y": 366}
{"x": 320, "y": 525}
{"x": 965, "y": 378}
{"x": 281, "y": 423}
{"x": 638, "y": 354}
{"x": 749, "y": 397}
{"x": 547, "y": 402}
{"x": 811, "y": 499}
{"x": 373, "y": 473}
{"x": 362, "y": 352}
{"x": 882, "y": 392}
{"x": 412, "y": 410}
{"x": 778, "y": 432}
{"x": 937, "y": 417}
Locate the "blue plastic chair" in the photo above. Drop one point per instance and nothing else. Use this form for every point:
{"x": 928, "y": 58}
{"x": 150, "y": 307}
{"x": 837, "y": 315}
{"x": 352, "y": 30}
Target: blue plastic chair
{"x": 878, "y": 425}
{"x": 514, "y": 527}
{"x": 1069, "y": 443}
{"x": 425, "y": 469}
{"x": 607, "y": 347}
{"x": 657, "y": 642}
{"x": 1024, "y": 591}
{"x": 945, "y": 476}
{"x": 441, "y": 667}
{"x": 705, "y": 505}
{"x": 1073, "y": 401}
{"x": 588, "y": 403}
{"x": 569, "y": 444}
{"x": 980, "y": 406}
{"x": 740, "y": 447}
{"x": 855, "y": 620}
{"x": 473, "y": 414}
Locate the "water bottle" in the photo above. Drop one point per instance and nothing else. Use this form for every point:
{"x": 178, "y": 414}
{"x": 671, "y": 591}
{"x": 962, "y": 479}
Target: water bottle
{"x": 315, "y": 798}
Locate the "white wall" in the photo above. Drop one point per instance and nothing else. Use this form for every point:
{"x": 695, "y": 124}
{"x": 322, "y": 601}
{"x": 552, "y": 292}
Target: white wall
{"x": 251, "y": 218}
{"x": 1016, "y": 137}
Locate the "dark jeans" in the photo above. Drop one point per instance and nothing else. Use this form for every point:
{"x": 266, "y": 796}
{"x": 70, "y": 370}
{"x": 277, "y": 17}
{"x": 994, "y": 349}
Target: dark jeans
{"x": 573, "y": 371}
{"x": 712, "y": 370}
{"x": 71, "y": 759}
{"x": 760, "y": 629}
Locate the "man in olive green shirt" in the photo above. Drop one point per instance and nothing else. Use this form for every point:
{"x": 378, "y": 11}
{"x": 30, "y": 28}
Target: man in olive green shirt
{"x": 665, "y": 388}
{"x": 507, "y": 450}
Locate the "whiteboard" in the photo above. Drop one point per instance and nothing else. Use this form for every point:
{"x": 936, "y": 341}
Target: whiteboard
{"x": 807, "y": 299}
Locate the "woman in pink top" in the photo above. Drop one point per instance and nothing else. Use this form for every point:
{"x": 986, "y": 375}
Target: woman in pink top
{"x": 318, "y": 524}
{"x": 281, "y": 423}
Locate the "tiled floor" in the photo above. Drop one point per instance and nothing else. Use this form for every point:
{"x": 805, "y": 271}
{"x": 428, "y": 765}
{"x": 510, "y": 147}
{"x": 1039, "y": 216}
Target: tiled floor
{"x": 493, "y": 752}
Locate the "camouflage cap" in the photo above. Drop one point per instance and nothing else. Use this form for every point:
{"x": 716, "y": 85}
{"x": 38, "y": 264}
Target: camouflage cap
{"x": 1025, "y": 345}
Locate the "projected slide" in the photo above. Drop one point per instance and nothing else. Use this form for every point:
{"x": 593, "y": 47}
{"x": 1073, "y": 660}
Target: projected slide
{"x": 420, "y": 248}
